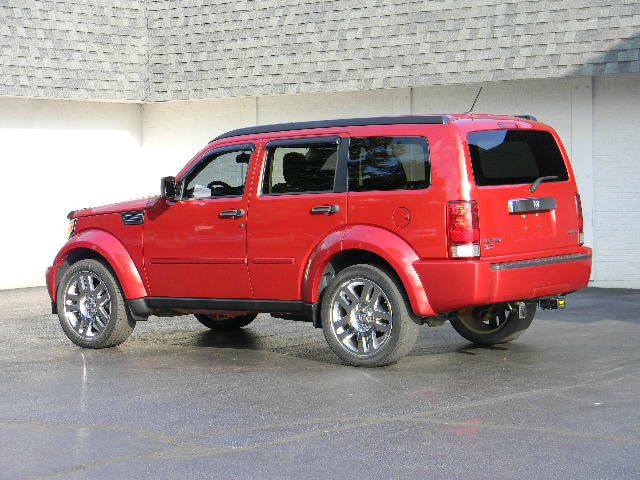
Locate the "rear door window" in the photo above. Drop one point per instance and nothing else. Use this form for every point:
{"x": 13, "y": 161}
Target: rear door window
{"x": 300, "y": 167}
{"x": 510, "y": 157}
{"x": 388, "y": 163}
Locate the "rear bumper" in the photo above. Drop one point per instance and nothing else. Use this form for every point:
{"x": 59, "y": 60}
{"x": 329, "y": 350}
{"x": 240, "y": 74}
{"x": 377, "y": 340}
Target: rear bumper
{"x": 454, "y": 284}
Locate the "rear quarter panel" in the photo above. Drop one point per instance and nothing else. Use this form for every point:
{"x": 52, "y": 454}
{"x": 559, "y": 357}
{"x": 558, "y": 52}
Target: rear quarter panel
{"x": 426, "y": 229}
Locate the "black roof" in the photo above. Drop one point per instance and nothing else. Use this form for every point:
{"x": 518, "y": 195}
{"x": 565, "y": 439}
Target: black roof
{"x": 340, "y": 122}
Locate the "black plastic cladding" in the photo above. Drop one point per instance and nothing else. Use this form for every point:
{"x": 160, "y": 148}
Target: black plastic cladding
{"x": 341, "y": 122}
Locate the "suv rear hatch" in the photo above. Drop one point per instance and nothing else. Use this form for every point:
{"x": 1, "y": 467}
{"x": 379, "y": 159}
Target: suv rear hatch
{"x": 513, "y": 219}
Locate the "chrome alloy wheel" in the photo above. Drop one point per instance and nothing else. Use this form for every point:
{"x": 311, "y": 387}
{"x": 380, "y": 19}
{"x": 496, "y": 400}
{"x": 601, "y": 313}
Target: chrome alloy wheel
{"x": 87, "y": 304}
{"x": 361, "y": 316}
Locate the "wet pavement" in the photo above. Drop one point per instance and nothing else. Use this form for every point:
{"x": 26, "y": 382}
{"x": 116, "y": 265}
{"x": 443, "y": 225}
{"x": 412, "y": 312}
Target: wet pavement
{"x": 272, "y": 401}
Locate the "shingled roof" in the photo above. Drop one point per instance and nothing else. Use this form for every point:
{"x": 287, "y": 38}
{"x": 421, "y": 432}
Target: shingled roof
{"x": 73, "y": 49}
{"x": 157, "y": 50}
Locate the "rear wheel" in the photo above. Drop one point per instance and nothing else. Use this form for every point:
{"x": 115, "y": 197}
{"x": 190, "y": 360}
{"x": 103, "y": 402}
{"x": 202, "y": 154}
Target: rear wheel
{"x": 225, "y": 322}
{"x": 91, "y": 306}
{"x": 492, "y": 324}
{"x": 366, "y": 317}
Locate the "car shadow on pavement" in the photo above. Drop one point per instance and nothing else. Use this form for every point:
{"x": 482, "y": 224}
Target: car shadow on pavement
{"x": 239, "y": 339}
{"x": 311, "y": 344}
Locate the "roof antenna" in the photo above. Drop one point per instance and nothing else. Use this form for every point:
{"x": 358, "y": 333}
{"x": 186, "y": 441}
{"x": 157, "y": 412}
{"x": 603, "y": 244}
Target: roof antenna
{"x": 474, "y": 102}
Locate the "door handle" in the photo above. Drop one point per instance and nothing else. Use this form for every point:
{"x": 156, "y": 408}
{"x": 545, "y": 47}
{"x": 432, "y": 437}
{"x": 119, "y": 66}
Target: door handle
{"x": 234, "y": 213}
{"x": 325, "y": 209}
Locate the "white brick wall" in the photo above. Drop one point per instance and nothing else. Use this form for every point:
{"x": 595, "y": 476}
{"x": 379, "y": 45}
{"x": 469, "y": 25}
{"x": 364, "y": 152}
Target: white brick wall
{"x": 66, "y": 155}
{"x": 616, "y": 158}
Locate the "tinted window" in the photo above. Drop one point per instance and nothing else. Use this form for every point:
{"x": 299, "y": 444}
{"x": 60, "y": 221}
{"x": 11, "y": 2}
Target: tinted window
{"x": 388, "y": 163}
{"x": 507, "y": 157}
{"x": 220, "y": 175}
{"x": 300, "y": 168}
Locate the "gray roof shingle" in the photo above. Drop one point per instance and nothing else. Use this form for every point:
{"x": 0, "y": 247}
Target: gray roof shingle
{"x": 157, "y": 50}
{"x": 73, "y": 49}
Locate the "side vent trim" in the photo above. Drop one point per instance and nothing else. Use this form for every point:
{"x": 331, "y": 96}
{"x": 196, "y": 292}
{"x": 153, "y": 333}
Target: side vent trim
{"x": 135, "y": 217}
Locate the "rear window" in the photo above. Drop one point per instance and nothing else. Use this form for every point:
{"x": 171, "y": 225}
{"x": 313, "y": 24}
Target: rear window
{"x": 509, "y": 157}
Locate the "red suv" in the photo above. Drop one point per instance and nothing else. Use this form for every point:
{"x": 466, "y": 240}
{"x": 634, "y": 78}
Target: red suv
{"x": 366, "y": 227}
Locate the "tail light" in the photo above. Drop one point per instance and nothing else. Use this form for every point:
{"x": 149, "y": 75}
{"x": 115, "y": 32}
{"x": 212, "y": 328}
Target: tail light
{"x": 580, "y": 220}
{"x": 463, "y": 229}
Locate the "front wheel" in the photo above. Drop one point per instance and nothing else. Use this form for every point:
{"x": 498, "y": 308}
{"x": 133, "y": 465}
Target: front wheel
{"x": 493, "y": 324}
{"x": 91, "y": 307}
{"x": 366, "y": 317}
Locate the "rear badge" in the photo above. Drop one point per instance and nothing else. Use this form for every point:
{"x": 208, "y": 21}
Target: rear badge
{"x": 489, "y": 243}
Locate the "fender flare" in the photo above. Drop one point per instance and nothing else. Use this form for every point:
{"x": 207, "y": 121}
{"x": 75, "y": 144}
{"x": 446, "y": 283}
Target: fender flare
{"x": 116, "y": 255}
{"x": 384, "y": 243}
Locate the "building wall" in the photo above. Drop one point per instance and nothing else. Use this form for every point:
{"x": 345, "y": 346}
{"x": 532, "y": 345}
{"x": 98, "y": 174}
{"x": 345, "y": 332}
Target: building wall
{"x": 616, "y": 164}
{"x": 583, "y": 111}
{"x": 66, "y": 155}
{"x": 58, "y": 156}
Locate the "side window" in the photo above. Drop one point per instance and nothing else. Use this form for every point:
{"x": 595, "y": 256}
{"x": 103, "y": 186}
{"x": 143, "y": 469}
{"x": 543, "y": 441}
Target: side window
{"x": 389, "y": 163}
{"x": 300, "y": 168}
{"x": 219, "y": 175}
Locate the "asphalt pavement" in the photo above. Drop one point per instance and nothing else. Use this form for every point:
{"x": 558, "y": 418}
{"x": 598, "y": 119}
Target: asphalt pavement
{"x": 273, "y": 402}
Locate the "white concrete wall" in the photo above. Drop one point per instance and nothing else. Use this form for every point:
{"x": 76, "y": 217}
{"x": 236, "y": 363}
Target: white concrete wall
{"x": 93, "y": 153}
{"x": 174, "y": 132}
{"x": 616, "y": 162}
{"x": 58, "y": 156}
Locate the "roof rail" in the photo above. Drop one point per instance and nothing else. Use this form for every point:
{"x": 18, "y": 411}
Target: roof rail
{"x": 341, "y": 122}
{"x": 527, "y": 117}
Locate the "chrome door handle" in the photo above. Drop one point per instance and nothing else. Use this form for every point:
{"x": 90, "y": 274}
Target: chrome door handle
{"x": 235, "y": 213}
{"x": 325, "y": 209}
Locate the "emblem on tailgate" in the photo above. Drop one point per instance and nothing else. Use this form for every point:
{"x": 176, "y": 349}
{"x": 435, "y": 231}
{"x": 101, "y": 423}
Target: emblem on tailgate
{"x": 524, "y": 205}
{"x": 489, "y": 243}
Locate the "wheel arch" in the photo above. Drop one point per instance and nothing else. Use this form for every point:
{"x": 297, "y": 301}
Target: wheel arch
{"x": 104, "y": 246}
{"x": 365, "y": 244}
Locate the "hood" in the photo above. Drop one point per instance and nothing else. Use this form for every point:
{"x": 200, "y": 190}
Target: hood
{"x": 139, "y": 204}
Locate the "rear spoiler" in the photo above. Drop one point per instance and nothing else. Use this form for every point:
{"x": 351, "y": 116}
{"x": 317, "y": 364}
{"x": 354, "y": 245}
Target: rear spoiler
{"x": 527, "y": 117}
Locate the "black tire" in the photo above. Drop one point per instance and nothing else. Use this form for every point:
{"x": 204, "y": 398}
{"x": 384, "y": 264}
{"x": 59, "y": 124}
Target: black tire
{"x": 120, "y": 323}
{"x": 225, "y": 322}
{"x": 472, "y": 323}
{"x": 402, "y": 325}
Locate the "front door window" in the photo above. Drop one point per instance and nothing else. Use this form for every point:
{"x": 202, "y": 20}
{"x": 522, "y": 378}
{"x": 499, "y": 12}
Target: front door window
{"x": 220, "y": 175}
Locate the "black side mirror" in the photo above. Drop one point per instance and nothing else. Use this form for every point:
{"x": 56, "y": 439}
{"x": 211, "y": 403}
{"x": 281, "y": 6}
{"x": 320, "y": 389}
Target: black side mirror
{"x": 168, "y": 187}
{"x": 243, "y": 158}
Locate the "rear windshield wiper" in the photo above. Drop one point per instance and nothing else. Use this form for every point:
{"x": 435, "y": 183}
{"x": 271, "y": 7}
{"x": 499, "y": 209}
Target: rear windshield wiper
{"x": 538, "y": 181}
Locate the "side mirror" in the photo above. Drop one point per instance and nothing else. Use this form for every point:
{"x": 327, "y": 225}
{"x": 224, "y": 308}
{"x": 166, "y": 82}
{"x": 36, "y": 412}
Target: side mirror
{"x": 243, "y": 158}
{"x": 168, "y": 187}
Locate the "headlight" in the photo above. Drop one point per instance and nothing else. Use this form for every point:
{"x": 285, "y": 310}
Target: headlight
{"x": 71, "y": 228}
